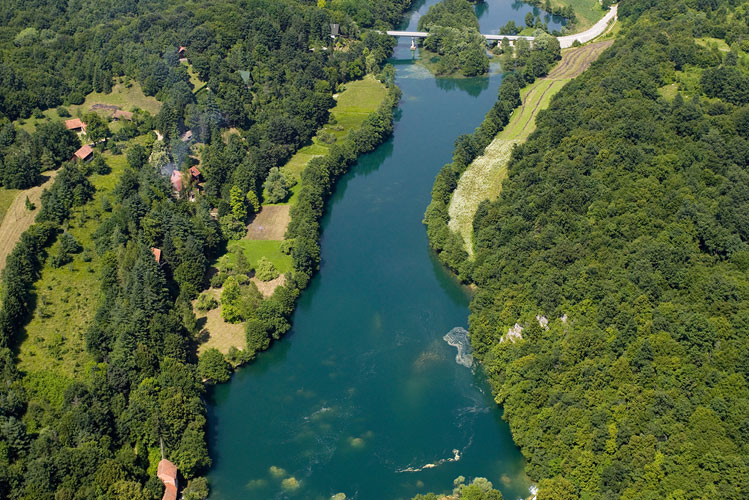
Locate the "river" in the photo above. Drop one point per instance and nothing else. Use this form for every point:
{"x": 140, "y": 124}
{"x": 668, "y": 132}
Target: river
{"x": 364, "y": 396}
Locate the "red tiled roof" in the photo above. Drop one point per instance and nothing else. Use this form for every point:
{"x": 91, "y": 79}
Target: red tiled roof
{"x": 75, "y": 124}
{"x": 167, "y": 471}
{"x": 157, "y": 256}
{"x": 170, "y": 492}
{"x": 84, "y": 152}
{"x": 194, "y": 171}
{"x": 181, "y": 49}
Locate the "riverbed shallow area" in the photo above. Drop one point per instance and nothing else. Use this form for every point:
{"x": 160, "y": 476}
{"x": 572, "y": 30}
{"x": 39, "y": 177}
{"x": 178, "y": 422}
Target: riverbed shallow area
{"x": 364, "y": 396}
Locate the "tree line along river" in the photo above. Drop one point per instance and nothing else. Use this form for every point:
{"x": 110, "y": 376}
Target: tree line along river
{"x": 364, "y": 396}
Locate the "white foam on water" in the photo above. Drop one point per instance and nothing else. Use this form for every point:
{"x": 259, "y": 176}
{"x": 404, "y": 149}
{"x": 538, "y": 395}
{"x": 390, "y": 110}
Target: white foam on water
{"x": 458, "y": 338}
{"x": 432, "y": 465}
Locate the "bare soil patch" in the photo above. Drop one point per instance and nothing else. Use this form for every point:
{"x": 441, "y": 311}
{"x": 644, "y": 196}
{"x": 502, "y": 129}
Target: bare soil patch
{"x": 269, "y": 224}
{"x": 18, "y": 219}
{"x": 215, "y": 332}
{"x": 268, "y": 287}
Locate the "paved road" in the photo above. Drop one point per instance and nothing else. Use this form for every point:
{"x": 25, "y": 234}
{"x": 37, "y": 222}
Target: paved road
{"x": 564, "y": 41}
{"x": 592, "y": 32}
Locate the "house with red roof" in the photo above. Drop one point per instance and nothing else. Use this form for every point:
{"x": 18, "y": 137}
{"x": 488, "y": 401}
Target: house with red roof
{"x": 76, "y": 125}
{"x": 156, "y": 254}
{"x": 84, "y": 153}
{"x": 167, "y": 472}
{"x": 195, "y": 173}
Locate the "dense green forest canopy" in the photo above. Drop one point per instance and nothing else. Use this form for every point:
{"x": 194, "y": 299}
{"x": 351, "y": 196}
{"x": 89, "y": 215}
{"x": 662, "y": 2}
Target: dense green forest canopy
{"x": 620, "y": 247}
{"x": 270, "y": 71}
{"x": 454, "y": 35}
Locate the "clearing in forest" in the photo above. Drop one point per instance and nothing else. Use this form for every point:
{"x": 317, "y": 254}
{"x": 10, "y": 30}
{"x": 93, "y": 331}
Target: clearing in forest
{"x": 353, "y": 105}
{"x": 215, "y": 332}
{"x": 482, "y": 180}
{"x": 124, "y": 95}
{"x": 52, "y": 350}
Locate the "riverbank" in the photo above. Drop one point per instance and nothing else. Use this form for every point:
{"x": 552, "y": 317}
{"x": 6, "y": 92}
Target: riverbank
{"x": 282, "y": 232}
{"x": 364, "y": 388}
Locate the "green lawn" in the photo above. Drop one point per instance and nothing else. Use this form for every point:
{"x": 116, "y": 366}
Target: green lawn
{"x": 254, "y": 250}
{"x": 535, "y": 98}
{"x": 67, "y": 298}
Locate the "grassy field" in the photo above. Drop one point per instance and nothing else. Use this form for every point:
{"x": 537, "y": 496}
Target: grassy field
{"x": 588, "y": 12}
{"x": 67, "y": 297}
{"x": 253, "y": 250}
{"x": 669, "y": 91}
{"x": 483, "y": 178}
{"x": 126, "y": 96}
{"x": 353, "y": 105}
{"x": 217, "y": 333}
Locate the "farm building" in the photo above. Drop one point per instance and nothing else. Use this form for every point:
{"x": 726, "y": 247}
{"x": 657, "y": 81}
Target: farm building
{"x": 84, "y": 153}
{"x": 75, "y": 124}
{"x": 195, "y": 173}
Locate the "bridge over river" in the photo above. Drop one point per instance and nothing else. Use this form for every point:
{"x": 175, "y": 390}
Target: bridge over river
{"x": 564, "y": 41}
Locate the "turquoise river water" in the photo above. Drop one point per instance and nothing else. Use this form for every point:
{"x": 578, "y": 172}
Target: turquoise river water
{"x": 364, "y": 396}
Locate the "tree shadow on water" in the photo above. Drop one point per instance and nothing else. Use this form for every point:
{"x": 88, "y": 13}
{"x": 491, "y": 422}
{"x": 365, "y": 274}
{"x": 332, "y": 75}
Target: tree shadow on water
{"x": 473, "y": 86}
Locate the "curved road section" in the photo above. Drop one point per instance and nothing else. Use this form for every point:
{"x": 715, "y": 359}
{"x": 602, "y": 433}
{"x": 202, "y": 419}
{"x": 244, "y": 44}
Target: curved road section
{"x": 591, "y": 33}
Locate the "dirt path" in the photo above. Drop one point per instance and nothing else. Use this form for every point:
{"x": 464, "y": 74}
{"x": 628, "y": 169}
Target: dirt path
{"x": 18, "y": 219}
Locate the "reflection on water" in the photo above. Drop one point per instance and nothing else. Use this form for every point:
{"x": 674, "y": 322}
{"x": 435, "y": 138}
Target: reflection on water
{"x": 472, "y": 86}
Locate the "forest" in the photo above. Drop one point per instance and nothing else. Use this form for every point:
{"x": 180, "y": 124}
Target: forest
{"x": 266, "y": 76}
{"x": 612, "y": 303}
